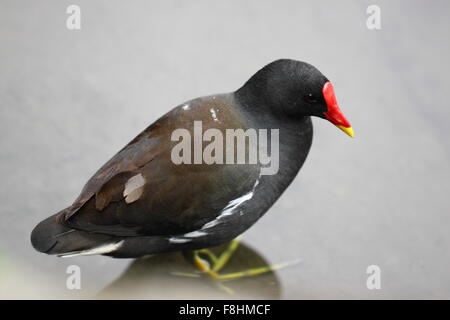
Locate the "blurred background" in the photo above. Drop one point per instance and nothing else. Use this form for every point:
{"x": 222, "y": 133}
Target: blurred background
{"x": 70, "y": 99}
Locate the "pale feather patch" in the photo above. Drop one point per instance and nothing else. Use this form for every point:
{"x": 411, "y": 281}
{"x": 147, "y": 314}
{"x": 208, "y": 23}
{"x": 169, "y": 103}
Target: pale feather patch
{"x": 134, "y": 188}
{"x": 214, "y": 114}
{"x": 103, "y": 249}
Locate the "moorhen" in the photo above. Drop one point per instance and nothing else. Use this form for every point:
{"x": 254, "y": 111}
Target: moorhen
{"x": 153, "y": 196}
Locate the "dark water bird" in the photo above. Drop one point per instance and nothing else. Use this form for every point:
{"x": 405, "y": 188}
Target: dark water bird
{"x": 142, "y": 202}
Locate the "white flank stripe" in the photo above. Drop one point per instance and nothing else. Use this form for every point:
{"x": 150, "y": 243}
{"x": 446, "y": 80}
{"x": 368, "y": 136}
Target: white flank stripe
{"x": 228, "y": 210}
{"x": 210, "y": 224}
{"x": 232, "y": 205}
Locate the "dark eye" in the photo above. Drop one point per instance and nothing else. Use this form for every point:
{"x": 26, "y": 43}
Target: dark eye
{"x": 310, "y": 98}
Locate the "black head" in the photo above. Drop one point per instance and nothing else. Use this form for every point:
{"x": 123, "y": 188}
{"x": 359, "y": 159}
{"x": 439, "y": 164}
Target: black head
{"x": 294, "y": 89}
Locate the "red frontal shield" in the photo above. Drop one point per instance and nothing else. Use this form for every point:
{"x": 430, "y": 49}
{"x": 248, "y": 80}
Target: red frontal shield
{"x": 334, "y": 113}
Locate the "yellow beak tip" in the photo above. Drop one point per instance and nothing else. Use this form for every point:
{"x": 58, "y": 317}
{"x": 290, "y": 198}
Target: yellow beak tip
{"x": 348, "y": 130}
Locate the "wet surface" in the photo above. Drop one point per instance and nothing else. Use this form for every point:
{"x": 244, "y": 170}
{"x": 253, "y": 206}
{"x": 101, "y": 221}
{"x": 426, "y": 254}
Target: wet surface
{"x": 69, "y": 100}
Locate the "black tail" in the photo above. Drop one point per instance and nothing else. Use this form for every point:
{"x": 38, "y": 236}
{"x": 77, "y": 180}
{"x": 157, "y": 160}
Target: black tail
{"x": 51, "y": 236}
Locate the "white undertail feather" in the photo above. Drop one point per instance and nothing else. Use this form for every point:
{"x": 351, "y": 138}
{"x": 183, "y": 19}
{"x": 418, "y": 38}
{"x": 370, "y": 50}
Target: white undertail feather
{"x": 178, "y": 240}
{"x": 103, "y": 249}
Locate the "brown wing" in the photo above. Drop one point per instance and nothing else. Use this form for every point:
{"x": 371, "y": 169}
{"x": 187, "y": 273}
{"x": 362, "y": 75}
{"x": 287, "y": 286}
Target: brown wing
{"x": 141, "y": 191}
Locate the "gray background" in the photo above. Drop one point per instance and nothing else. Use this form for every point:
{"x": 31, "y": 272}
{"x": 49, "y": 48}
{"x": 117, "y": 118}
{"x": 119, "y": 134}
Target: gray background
{"x": 70, "y": 99}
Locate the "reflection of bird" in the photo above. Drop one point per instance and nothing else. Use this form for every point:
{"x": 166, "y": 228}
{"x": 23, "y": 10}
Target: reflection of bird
{"x": 156, "y": 277}
{"x": 142, "y": 202}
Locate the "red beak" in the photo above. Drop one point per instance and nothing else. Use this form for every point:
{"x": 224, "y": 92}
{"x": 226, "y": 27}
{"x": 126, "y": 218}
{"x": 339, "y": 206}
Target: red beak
{"x": 334, "y": 113}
